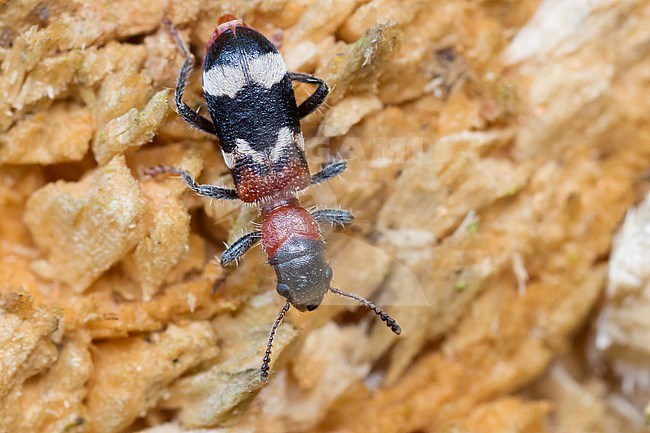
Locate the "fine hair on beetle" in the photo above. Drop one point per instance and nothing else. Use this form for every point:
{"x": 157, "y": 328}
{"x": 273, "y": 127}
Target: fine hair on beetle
{"x": 254, "y": 114}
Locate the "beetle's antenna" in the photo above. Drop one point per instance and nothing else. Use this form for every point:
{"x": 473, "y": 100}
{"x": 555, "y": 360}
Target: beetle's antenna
{"x": 264, "y": 371}
{"x": 390, "y": 322}
{"x": 171, "y": 28}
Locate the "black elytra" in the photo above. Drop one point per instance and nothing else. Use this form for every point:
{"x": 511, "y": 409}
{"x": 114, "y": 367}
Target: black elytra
{"x": 255, "y": 113}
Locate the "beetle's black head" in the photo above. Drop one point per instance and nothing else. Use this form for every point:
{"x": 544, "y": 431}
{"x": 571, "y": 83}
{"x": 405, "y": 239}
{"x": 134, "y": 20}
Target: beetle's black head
{"x": 303, "y": 274}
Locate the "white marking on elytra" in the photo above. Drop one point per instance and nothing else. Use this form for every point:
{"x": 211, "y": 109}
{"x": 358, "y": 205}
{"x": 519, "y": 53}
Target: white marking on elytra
{"x": 285, "y": 142}
{"x": 244, "y": 148}
{"x": 229, "y": 158}
{"x": 267, "y": 70}
{"x": 220, "y": 80}
{"x": 224, "y": 80}
{"x": 301, "y": 142}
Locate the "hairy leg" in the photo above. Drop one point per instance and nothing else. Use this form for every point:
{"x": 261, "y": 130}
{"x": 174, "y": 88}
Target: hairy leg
{"x": 331, "y": 170}
{"x": 205, "y": 190}
{"x": 185, "y": 111}
{"x": 315, "y": 99}
{"x": 239, "y": 247}
{"x": 336, "y": 217}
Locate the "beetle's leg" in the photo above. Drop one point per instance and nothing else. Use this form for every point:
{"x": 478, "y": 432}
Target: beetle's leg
{"x": 184, "y": 110}
{"x": 211, "y": 191}
{"x": 315, "y": 99}
{"x": 335, "y": 217}
{"x": 331, "y": 170}
{"x": 239, "y": 248}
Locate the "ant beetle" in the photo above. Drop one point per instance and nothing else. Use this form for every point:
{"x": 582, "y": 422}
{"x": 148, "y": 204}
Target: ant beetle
{"x": 257, "y": 120}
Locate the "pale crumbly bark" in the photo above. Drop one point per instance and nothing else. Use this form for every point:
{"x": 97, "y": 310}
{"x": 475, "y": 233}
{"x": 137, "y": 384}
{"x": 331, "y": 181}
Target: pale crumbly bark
{"x": 493, "y": 150}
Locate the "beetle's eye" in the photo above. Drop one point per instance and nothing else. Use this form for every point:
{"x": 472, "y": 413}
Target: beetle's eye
{"x": 311, "y": 307}
{"x": 283, "y": 290}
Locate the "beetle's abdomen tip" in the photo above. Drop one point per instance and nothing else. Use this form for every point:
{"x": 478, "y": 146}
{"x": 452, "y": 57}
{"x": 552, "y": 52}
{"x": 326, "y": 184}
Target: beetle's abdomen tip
{"x": 226, "y": 22}
{"x": 226, "y": 18}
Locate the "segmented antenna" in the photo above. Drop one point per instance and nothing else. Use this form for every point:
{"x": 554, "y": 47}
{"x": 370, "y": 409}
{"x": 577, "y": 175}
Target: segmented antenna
{"x": 159, "y": 169}
{"x": 390, "y": 322}
{"x": 264, "y": 371}
{"x": 171, "y": 28}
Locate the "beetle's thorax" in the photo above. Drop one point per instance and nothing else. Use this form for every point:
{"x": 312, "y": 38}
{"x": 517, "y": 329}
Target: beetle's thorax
{"x": 284, "y": 220}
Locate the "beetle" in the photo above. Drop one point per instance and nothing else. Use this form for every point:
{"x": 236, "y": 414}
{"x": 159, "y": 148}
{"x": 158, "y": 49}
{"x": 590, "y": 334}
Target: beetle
{"x": 254, "y": 113}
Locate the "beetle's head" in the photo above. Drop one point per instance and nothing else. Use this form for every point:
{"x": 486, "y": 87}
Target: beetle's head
{"x": 303, "y": 279}
{"x": 303, "y": 274}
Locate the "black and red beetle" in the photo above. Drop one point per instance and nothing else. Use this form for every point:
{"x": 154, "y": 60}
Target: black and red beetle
{"x": 255, "y": 116}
